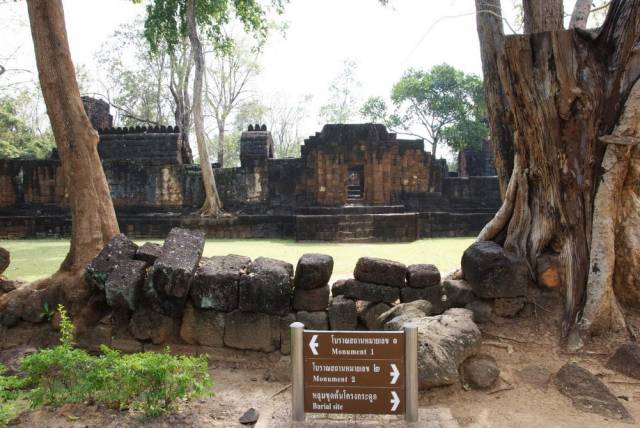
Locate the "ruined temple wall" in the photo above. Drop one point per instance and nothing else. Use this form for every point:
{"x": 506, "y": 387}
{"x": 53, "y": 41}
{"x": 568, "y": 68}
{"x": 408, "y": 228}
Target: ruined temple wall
{"x": 31, "y": 182}
{"x": 389, "y": 169}
{"x": 34, "y": 184}
{"x": 472, "y": 194}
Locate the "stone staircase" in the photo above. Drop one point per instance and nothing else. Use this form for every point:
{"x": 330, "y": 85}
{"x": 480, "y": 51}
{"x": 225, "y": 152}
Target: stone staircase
{"x": 356, "y": 228}
{"x": 354, "y": 193}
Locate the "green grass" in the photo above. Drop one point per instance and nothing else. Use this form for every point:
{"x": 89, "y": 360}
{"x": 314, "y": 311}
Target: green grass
{"x": 33, "y": 259}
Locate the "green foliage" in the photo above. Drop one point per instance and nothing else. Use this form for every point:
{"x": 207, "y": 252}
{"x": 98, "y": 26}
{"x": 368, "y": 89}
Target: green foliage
{"x": 138, "y": 87}
{"x": 11, "y": 397}
{"x": 47, "y": 313}
{"x": 17, "y": 139}
{"x": 447, "y": 103}
{"x": 166, "y": 20}
{"x": 148, "y": 381}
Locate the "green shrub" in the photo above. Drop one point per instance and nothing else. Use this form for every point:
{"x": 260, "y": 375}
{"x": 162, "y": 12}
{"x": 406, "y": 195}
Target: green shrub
{"x": 11, "y": 396}
{"x": 148, "y": 381}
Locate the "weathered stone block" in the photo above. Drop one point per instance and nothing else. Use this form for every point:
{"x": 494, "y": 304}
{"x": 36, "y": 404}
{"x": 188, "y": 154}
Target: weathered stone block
{"x": 338, "y": 287}
{"x": 202, "y": 327}
{"x": 481, "y": 311}
{"x": 588, "y": 393}
{"x": 147, "y": 324}
{"x": 431, "y": 294}
{"x": 173, "y": 271}
{"x": 266, "y": 288}
{"x": 118, "y": 249}
{"x": 253, "y": 331}
{"x": 418, "y": 308}
{"x": 369, "y": 316}
{"x": 269, "y": 264}
{"x": 457, "y": 292}
{"x": 313, "y": 271}
{"x": 626, "y": 360}
{"x": 313, "y": 320}
{"x": 123, "y": 285}
{"x": 285, "y": 333}
{"x": 479, "y": 372}
{"x": 421, "y": 276}
{"x": 342, "y": 314}
{"x": 380, "y": 271}
{"x": 444, "y": 342}
{"x": 355, "y": 289}
{"x": 149, "y": 252}
{"x": 316, "y": 299}
{"x": 493, "y": 272}
{"x": 215, "y": 285}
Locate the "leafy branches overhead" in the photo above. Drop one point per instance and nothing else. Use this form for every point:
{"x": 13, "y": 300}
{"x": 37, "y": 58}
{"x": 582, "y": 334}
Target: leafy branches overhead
{"x": 167, "y": 20}
{"x": 17, "y": 138}
{"x": 341, "y": 106}
{"x": 447, "y": 104}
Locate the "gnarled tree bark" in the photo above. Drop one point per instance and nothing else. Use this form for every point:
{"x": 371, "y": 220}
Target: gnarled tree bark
{"x": 557, "y": 91}
{"x": 542, "y": 15}
{"x": 489, "y": 23}
{"x": 93, "y": 219}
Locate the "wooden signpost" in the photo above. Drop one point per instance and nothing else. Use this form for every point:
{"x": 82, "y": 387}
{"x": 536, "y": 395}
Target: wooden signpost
{"x": 361, "y": 372}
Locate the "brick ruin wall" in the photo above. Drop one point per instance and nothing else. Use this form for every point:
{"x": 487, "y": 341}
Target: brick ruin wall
{"x": 154, "y": 190}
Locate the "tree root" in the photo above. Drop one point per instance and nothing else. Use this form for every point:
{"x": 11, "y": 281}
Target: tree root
{"x": 602, "y": 311}
{"x": 502, "y": 217}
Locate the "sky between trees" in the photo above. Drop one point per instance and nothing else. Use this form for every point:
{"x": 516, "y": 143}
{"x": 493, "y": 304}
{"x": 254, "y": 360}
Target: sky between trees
{"x": 320, "y": 35}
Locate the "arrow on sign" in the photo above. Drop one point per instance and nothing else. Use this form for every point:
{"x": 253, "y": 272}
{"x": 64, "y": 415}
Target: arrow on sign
{"x": 395, "y": 401}
{"x": 313, "y": 344}
{"x": 395, "y": 374}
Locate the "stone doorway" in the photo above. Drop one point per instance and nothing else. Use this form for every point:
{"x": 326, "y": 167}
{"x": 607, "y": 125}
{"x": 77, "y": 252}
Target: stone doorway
{"x": 355, "y": 184}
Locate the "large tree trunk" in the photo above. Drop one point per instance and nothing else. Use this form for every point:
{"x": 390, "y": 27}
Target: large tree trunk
{"x": 580, "y": 14}
{"x": 542, "y": 15}
{"x": 221, "y": 146}
{"x": 560, "y": 91}
{"x": 93, "y": 217}
{"x": 212, "y": 205}
{"x": 179, "y": 87}
{"x": 491, "y": 37}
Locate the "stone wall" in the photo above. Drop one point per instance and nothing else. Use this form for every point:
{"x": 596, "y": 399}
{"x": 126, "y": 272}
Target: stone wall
{"x": 389, "y": 166}
{"x": 154, "y": 190}
{"x": 477, "y": 162}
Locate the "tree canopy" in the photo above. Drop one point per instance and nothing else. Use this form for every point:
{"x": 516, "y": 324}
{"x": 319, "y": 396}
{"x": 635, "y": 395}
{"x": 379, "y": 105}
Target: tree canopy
{"x": 17, "y": 138}
{"x": 445, "y": 102}
{"x": 166, "y": 20}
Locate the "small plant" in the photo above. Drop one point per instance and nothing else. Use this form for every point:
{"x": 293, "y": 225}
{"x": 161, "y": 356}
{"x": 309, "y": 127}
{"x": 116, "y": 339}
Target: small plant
{"x": 47, "y": 313}
{"x": 148, "y": 381}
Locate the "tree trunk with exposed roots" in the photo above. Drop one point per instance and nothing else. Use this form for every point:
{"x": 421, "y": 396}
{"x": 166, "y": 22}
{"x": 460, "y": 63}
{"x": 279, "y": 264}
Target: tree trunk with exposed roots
{"x": 558, "y": 100}
{"x": 93, "y": 217}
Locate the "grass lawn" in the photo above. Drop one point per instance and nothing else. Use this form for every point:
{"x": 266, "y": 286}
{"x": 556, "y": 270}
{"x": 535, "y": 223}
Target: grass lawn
{"x": 35, "y": 258}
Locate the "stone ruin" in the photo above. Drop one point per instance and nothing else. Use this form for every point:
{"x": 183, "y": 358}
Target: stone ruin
{"x": 355, "y": 182}
{"x": 152, "y": 296}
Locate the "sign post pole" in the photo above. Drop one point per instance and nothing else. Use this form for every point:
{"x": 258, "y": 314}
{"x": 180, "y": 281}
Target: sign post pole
{"x": 297, "y": 372}
{"x": 411, "y": 370}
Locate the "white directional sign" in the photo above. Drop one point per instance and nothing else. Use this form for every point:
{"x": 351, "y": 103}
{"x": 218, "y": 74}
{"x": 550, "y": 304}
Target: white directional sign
{"x": 353, "y": 372}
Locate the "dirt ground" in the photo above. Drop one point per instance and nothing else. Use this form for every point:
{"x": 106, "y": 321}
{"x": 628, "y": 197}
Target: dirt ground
{"x": 526, "y": 349}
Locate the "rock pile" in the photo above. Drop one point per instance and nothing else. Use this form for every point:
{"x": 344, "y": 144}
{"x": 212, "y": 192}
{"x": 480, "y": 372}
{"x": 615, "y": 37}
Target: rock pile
{"x": 151, "y": 296}
{"x": 496, "y": 276}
